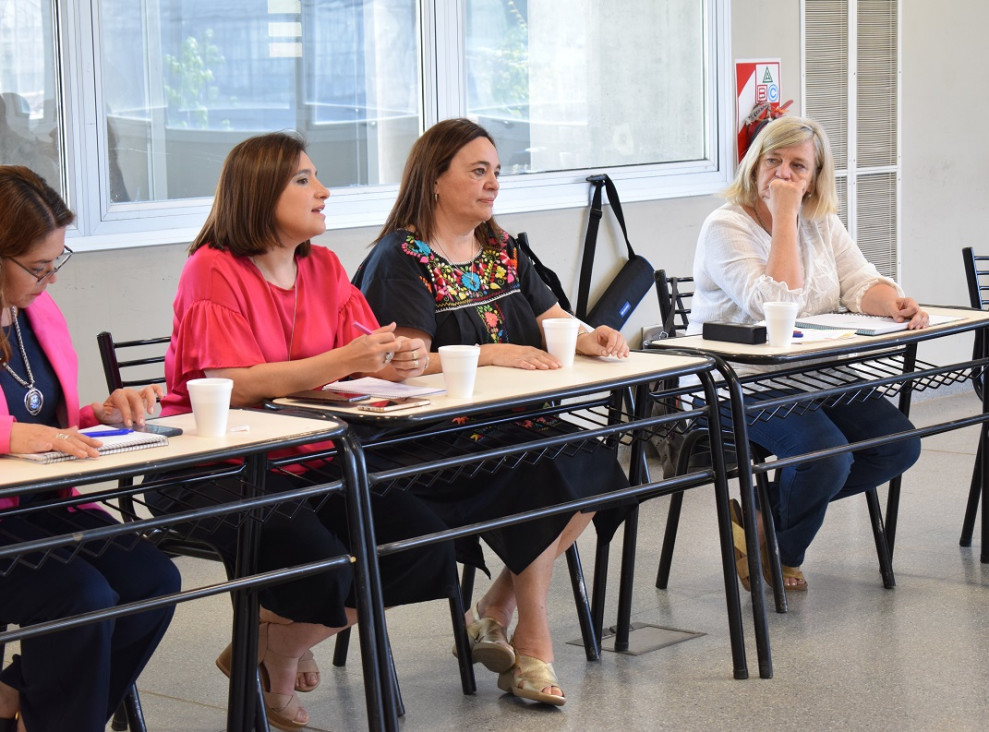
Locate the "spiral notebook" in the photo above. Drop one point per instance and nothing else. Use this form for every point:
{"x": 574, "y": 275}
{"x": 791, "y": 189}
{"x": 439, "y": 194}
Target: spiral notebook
{"x": 863, "y": 324}
{"x": 111, "y": 444}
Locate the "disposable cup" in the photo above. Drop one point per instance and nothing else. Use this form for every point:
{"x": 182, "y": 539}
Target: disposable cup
{"x": 561, "y": 338}
{"x": 210, "y": 405}
{"x": 459, "y": 365}
{"x": 780, "y": 319}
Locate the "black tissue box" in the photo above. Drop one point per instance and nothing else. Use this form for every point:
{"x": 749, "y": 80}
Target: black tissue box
{"x": 735, "y": 332}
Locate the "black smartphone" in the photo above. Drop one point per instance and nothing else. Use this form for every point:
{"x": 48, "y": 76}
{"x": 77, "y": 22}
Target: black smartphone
{"x": 392, "y": 405}
{"x": 323, "y": 396}
{"x": 159, "y": 429}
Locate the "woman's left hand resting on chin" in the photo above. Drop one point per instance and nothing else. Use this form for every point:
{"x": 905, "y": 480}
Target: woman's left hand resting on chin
{"x": 602, "y": 341}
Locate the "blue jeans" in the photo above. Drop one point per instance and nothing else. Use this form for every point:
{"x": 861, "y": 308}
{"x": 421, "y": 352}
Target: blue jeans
{"x": 801, "y": 495}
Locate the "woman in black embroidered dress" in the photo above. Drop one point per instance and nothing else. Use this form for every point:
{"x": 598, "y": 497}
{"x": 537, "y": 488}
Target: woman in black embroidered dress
{"x": 446, "y": 273}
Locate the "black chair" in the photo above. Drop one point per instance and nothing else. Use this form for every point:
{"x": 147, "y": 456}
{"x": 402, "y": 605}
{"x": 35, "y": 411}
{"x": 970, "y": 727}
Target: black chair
{"x": 977, "y": 277}
{"x": 674, "y": 295}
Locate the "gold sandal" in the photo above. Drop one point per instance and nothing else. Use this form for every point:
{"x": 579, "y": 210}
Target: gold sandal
{"x": 489, "y": 644}
{"x": 742, "y": 562}
{"x": 528, "y": 677}
{"x": 738, "y": 539}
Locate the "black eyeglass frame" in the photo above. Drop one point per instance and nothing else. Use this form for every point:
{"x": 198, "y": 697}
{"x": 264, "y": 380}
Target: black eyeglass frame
{"x": 57, "y": 264}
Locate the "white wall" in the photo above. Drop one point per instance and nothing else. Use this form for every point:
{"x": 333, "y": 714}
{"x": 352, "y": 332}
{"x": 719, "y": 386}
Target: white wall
{"x": 944, "y": 192}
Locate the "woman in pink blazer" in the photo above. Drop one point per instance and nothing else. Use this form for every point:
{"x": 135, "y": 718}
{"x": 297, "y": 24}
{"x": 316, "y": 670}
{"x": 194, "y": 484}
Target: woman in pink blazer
{"x": 39, "y": 411}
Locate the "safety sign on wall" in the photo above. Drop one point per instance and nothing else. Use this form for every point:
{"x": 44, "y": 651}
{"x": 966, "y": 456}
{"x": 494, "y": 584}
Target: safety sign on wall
{"x": 757, "y": 98}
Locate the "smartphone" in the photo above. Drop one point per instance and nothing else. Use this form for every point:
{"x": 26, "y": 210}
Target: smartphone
{"x": 392, "y": 405}
{"x": 323, "y": 396}
{"x": 159, "y": 429}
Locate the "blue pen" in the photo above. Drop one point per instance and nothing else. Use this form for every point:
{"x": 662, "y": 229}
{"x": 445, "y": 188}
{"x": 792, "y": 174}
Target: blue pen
{"x": 797, "y": 334}
{"x": 108, "y": 433}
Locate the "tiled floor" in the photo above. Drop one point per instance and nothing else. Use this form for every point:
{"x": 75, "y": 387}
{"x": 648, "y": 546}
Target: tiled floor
{"x": 848, "y": 655}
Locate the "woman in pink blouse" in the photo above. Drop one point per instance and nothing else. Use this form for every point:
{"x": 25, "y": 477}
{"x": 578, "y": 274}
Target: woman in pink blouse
{"x": 261, "y": 305}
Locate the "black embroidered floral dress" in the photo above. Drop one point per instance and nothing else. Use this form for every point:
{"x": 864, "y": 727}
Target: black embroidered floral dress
{"x": 494, "y": 298}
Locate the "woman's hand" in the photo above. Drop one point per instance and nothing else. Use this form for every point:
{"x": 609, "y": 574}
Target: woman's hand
{"x": 516, "y": 357}
{"x": 784, "y": 198}
{"x": 411, "y": 357}
{"x": 129, "y": 406}
{"x": 906, "y": 309}
{"x": 26, "y": 437}
{"x": 602, "y": 341}
{"x": 368, "y": 354}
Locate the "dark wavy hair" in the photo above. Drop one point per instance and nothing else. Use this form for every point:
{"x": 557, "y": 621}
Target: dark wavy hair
{"x": 254, "y": 175}
{"x": 429, "y": 158}
{"x": 30, "y": 210}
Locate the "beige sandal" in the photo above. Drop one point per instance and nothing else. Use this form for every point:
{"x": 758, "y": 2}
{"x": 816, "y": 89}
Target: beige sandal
{"x": 281, "y": 709}
{"x": 489, "y": 644}
{"x": 307, "y": 665}
{"x": 528, "y": 677}
{"x": 742, "y": 562}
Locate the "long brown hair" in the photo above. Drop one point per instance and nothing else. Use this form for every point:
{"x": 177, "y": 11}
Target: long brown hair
{"x": 430, "y": 157}
{"x": 253, "y": 178}
{"x": 30, "y": 210}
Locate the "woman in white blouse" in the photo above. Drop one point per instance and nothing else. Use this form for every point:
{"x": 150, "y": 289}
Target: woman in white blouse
{"x": 779, "y": 239}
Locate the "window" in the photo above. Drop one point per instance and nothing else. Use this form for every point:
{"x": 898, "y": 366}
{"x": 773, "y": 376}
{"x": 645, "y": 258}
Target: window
{"x": 174, "y": 84}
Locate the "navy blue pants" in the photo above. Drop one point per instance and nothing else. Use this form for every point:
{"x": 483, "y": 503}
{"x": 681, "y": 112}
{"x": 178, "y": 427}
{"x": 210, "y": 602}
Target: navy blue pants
{"x": 75, "y": 679}
{"x": 801, "y": 495}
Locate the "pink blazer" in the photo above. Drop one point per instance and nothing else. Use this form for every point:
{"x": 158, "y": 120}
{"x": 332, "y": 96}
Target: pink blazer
{"x": 53, "y": 335}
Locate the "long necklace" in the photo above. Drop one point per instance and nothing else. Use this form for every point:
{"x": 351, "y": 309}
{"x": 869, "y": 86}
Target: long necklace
{"x": 295, "y": 304}
{"x": 468, "y": 279}
{"x": 34, "y": 400}
{"x": 758, "y": 218}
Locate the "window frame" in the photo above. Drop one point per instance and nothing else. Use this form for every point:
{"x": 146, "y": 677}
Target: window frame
{"x": 101, "y": 225}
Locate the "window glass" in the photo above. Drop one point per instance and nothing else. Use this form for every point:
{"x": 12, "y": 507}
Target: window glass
{"x": 30, "y": 107}
{"x": 182, "y": 81}
{"x": 589, "y": 84}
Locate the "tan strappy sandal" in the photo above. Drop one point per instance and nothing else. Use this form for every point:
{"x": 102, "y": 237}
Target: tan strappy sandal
{"x": 528, "y": 677}
{"x": 489, "y": 644}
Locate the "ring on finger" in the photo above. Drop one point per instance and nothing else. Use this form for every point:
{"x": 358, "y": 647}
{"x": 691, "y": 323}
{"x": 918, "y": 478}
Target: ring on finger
{"x": 415, "y": 363}
{"x": 61, "y": 436}
{"x": 389, "y": 356}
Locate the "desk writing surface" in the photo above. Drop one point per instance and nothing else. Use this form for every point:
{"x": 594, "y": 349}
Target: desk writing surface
{"x": 267, "y": 431}
{"x": 497, "y": 385}
{"x": 968, "y": 319}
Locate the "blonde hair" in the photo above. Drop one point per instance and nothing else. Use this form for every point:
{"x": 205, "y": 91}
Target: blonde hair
{"x": 822, "y": 198}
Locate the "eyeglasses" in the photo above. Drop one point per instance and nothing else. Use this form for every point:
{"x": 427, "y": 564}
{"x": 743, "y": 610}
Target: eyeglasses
{"x": 39, "y": 273}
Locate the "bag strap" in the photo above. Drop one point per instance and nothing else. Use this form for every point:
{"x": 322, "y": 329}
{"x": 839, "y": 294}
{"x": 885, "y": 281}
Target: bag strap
{"x": 590, "y": 239}
{"x": 547, "y": 275}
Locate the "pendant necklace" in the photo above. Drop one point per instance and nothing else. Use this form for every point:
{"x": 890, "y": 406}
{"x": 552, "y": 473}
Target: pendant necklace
{"x": 468, "y": 278}
{"x": 34, "y": 400}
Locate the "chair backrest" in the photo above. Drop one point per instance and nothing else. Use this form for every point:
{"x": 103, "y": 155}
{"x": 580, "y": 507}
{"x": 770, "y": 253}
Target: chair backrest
{"x": 977, "y": 277}
{"x": 674, "y": 295}
{"x": 144, "y": 363}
